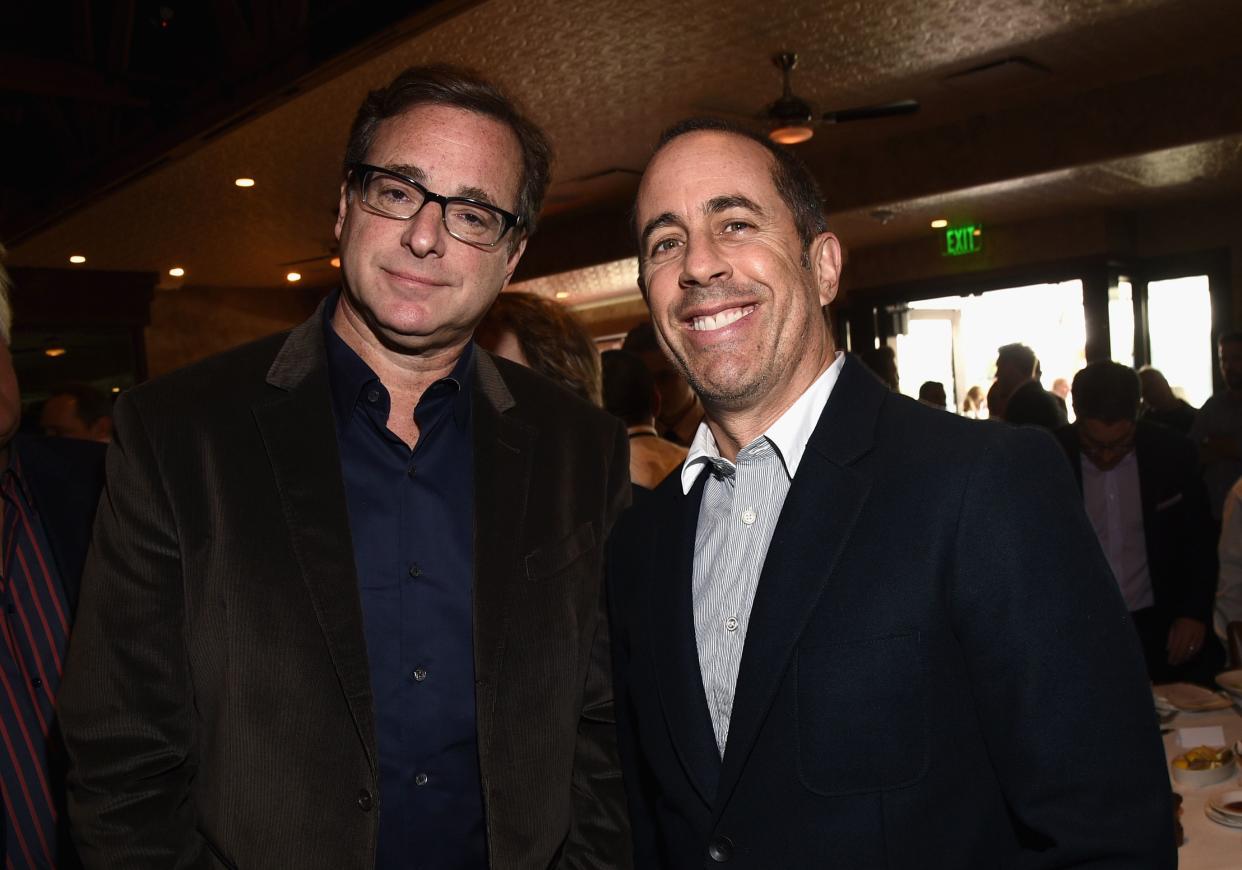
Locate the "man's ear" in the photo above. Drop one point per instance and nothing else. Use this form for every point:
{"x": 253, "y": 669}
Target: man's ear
{"x": 342, "y": 208}
{"x": 826, "y": 266}
{"x": 512, "y": 262}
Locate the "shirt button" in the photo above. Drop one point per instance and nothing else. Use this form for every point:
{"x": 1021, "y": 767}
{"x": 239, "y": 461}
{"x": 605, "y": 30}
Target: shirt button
{"x": 749, "y": 516}
{"x": 372, "y": 396}
{"x": 420, "y": 779}
{"x": 365, "y": 802}
{"x": 419, "y": 674}
{"x": 416, "y": 571}
{"x": 731, "y": 623}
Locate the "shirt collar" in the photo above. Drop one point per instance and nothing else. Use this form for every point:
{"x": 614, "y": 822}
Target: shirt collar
{"x": 789, "y": 434}
{"x": 349, "y": 374}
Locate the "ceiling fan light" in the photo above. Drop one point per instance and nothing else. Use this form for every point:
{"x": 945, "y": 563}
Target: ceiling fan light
{"x": 791, "y": 134}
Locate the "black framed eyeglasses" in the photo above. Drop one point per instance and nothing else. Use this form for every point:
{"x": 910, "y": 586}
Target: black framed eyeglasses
{"x": 393, "y": 195}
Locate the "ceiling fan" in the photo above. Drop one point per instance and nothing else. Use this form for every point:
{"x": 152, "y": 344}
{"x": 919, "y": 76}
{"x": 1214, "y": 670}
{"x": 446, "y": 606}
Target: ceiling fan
{"x": 790, "y": 117}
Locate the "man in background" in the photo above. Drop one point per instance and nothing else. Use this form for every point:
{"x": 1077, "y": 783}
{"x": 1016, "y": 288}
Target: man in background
{"x": 931, "y": 393}
{"x": 680, "y": 412}
{"x": 49, "y": 488}
{"x": 1019, "y": 393}
{"x": 630, "y": 393}
{"x": 78, "y": 411}
{"x": 1141, "y": 488}
{"x": 1217, "y": 429}
{"x": 1160, "y": 405}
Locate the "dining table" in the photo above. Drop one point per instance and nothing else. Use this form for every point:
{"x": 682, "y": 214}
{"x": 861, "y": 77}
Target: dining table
{"x": 1208, "y": 845}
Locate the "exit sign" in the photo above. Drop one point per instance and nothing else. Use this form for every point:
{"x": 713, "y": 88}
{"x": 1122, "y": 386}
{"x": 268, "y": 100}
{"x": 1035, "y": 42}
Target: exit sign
{"x": 963, "y": 240}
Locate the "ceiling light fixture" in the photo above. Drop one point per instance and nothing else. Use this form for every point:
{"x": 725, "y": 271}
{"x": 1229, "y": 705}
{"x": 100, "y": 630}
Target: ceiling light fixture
{"x": 77, "y": 259}
{"x": 176, "y": 272}
{"x": 939, "y": 224}
{"x": 791, "y": 134}
{"x": 116, "y": 389}
{"x": 335, "y": 262}
{"x": 293, "y": 276}
{"x": 54, "y": 351}
{"x": 244, "y": 182}
{"x": 562, "y": 294}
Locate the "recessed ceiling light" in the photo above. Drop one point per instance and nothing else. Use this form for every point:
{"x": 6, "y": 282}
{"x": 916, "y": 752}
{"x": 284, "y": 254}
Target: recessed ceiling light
{"x": 244, "y": 182}
{"x": 335, "y": 262}
{"x": 77, "y": 258}
{"x": 978, "y": 231}
{"x": 562, "y": 294}
{"x": 116, "y": 389}
{"x": 55, "y": 351}
{"x": 293, "y": 276}
{"x": 939, "y": 224}
{"x": 176, "y": 271}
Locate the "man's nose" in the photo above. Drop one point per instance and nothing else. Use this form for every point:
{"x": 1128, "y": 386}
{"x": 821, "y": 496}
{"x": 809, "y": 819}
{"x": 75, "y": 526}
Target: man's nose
{"x": 703, "y": 263}
{"x": 425, "y": 233}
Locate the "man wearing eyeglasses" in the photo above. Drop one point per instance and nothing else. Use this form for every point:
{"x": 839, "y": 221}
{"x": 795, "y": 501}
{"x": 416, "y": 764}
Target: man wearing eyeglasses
{"x": 1149, "y": 508}
{"x": 344, "y": 607}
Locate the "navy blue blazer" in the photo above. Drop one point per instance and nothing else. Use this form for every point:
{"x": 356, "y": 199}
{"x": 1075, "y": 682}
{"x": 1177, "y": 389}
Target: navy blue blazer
{"x": 938, "y": 672}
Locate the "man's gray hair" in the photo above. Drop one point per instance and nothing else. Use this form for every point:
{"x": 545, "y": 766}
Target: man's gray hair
{"x": 6, "y": 309}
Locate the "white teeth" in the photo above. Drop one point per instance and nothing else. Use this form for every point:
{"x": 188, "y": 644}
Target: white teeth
{"x": 720, "y": 319}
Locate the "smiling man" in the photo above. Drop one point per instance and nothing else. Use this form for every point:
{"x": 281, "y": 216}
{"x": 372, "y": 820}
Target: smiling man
{"x": 816, "y": 664}
{"x": 344, "y": 608}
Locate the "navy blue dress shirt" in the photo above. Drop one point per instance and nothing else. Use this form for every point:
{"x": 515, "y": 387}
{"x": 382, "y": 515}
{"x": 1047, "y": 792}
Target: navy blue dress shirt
{"x": 411, "y": 514}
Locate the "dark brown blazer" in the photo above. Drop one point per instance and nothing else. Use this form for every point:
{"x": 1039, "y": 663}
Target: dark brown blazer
{"x": 217, "y": 704}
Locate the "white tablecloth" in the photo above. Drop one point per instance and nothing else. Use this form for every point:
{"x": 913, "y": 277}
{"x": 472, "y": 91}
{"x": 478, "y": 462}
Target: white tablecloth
{"x": 1208, "y": 846}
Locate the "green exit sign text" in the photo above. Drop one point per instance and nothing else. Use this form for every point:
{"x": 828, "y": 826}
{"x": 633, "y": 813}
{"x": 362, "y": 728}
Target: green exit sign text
{"x": 963, "y": 240}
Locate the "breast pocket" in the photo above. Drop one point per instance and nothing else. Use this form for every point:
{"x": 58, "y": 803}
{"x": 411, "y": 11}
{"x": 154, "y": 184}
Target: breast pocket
{"x": 862, "y": 714}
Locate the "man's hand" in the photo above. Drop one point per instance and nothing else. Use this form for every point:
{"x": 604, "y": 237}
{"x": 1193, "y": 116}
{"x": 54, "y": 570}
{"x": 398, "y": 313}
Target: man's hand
{"x": 1185, "y": 639}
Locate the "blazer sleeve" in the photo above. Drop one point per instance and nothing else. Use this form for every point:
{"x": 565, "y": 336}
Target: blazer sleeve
{"x": 1055, "y": 668}
{"x": 599, "y": 836}
{"x": 126, "y": 702}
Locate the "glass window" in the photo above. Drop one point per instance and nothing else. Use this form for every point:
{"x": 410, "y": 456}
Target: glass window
{"x": 1179, "y": 326}
{"x": 1121, "y": 322}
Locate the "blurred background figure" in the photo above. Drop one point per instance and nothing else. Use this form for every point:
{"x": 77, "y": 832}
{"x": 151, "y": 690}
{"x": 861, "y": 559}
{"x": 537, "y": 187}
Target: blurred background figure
{"x": 932, "y": 393}
{"x": 630, "y": 393}
{"x": 1229, "y": 550}
{"x": 1061, "y": 389}
{"x": 882, "y": 361}
{"x": 1141, "y": 488}
{"x": 1160, "y": 405}
{"x": 679, "y": 412}
{"x": 975, "y": 405}
{"x": 545, "y": 336}
{"x": 1218, "y": 426}
{"x": 49, "y": 488}
{"x": 78, "y": 411}
{"x": 1018, "y": 397}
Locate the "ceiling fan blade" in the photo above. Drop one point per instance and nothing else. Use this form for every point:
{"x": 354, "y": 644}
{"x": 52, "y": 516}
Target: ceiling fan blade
{"x": 866, "y": 113}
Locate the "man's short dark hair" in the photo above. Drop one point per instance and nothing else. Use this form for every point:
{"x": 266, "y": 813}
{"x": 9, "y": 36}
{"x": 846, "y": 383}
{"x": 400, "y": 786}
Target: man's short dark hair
{"x": 931, "y": 390}
{"x": 1018, "y": 355}
{"x": 628, "y": 387}
{"x": 793, "y": 180}
{"x": 444, "y": 85}
{"x": 1106, "y": 391}
{"x": 91, "y": 403}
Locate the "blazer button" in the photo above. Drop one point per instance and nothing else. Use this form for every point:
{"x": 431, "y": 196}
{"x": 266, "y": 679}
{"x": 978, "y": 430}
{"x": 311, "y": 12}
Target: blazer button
{"x": 364, "y": 801}
{"x": 720, "y": 849}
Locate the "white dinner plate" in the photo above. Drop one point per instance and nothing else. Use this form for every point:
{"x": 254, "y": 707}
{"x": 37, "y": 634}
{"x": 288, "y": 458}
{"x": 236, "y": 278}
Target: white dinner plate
{"x": 1221, "y": 819}
{"x": 1230, "y": 681}
{"x": 1190, "y": 698}
{"x": 1218, "y": 802}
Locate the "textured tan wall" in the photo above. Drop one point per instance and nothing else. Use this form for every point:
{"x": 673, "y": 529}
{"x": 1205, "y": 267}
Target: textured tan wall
{"x": 191, "y": 323}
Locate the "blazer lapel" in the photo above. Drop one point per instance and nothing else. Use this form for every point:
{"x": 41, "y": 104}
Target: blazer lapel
{"x": 299, "y": 431}
{"x": 503, "y": 453}
{"x": 674, "y": 648}
{"x": 817, "y": 519}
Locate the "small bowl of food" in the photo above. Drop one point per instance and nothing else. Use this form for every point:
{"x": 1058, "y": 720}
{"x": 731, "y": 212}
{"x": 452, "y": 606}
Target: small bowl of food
{"x": 1204, "y": 765}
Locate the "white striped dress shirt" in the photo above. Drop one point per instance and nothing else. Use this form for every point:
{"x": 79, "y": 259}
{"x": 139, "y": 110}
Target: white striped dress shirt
{"x": 741, "y": 504}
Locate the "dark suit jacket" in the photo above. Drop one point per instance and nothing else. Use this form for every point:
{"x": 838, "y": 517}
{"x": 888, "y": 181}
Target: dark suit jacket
{"x": 938, "y": 670}
{"x": 64, "y": 477}
{"x": 1177, "y": 521}
{"x": 218, "y": 707}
